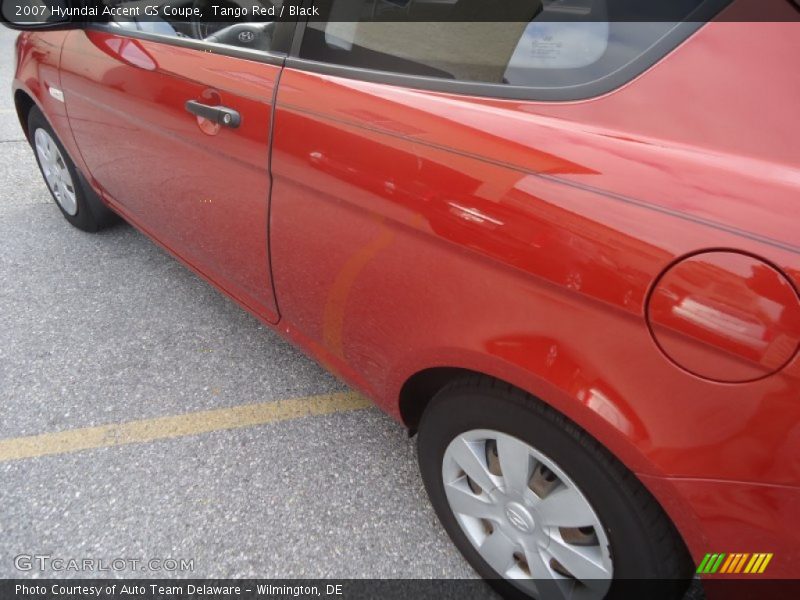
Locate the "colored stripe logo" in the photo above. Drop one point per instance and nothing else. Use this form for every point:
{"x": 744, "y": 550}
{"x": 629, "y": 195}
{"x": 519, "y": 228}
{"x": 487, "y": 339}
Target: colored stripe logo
{"x": 742, "y": 562}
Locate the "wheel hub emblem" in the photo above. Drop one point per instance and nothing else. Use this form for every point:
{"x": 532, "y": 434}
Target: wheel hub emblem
{"x": 247, "y": 37}
{"x": 519, "y": 518}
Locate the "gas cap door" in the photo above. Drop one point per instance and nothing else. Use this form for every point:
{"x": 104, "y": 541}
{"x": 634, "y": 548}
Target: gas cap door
{"x": 725, "y": 316}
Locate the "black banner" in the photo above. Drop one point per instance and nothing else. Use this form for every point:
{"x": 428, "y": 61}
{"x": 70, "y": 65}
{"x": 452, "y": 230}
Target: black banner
{"x": 750, "y": 588}
{"x": 26, "y": 12}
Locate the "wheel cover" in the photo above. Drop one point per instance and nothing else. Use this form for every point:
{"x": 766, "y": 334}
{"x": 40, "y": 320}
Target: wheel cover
{"x": 55, "y": 171}
{"x": 526, "y": 517}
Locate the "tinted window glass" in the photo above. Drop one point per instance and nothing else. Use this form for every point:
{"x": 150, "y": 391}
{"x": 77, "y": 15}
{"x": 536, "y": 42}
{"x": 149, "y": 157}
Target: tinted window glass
{"x": 542, "y": 44}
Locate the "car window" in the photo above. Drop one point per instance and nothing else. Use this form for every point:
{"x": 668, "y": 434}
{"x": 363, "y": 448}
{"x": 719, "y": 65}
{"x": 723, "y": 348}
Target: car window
{"x": 175, "y": 18}
{"x": 530, "y": 43}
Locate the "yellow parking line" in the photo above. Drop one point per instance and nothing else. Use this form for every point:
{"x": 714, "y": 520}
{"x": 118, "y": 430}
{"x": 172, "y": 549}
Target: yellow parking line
{"x": 147, "y": 430}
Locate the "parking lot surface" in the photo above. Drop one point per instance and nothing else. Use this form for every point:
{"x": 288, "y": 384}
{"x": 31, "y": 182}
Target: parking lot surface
{"x": 137, "y": 379}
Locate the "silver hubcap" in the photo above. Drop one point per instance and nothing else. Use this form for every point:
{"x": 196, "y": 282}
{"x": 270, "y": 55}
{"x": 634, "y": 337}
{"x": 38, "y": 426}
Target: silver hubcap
{"x": 526, "y": 517}
{"x": 55, "y": 172}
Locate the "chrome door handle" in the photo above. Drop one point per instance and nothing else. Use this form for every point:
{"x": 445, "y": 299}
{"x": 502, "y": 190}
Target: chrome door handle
{"x": 217, "y": 114}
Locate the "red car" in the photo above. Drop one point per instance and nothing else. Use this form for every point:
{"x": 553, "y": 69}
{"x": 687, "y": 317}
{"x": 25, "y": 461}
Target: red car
{"x": 560, "y": 246}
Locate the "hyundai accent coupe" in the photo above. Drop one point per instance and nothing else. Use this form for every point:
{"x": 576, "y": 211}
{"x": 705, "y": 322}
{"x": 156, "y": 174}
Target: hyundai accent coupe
{"x": 556, "y": 239}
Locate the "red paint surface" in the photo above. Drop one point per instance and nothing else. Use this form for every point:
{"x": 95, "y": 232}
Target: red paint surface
{"x": 412, "y": 230}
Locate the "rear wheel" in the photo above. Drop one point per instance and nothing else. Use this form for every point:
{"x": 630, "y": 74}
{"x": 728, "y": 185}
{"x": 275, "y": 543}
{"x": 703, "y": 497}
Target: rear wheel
{"x": 76, "y": 200}
{"x": 536, "y": 505}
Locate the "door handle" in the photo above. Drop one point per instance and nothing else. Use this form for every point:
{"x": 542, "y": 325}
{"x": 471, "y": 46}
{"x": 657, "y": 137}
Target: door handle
{"x": 217, "y": 114}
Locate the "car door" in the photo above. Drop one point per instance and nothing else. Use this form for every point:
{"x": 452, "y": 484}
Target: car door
{"x": 147, "y": 106}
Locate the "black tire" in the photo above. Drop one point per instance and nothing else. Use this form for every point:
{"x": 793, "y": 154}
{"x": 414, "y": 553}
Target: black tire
{"x": 649, "y": 557}
{"x": 92, "y": 214}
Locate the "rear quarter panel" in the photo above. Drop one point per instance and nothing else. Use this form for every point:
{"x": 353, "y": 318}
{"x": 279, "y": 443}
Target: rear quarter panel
{"x": 521, "y": 240}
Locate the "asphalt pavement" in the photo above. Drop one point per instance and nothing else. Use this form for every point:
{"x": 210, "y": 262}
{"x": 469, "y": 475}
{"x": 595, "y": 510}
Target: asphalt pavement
{"x": 106, "y": 330}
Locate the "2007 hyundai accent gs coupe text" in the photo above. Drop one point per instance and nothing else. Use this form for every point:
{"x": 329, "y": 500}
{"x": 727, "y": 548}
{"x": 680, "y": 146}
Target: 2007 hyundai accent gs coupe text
{"x": 561, "y": 249}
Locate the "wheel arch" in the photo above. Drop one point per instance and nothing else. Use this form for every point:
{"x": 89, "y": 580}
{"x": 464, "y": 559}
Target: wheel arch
{"x": 28, "y": 93}
{"x": 23, "y": 102}
{"x": 419, "y": 388}
{"x": 576, "y": 391}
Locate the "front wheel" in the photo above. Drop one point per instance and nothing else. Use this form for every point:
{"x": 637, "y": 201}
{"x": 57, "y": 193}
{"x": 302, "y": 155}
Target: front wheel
{"x": 76, "y": 200}
{"x": 536, "y": 505}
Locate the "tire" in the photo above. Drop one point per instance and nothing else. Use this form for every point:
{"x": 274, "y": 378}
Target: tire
{"x": 622, "y": 527}
{"x": 76, "y": 200}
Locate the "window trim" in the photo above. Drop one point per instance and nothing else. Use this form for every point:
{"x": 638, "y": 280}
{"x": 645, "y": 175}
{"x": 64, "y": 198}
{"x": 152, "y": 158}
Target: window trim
{"x": 269, "y": 57}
